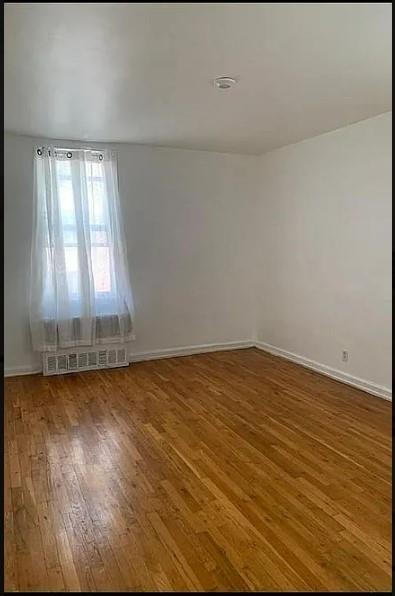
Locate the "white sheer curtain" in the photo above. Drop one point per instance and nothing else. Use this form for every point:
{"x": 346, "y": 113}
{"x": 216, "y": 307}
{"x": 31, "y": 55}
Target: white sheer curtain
{"x": 80, "y": 289}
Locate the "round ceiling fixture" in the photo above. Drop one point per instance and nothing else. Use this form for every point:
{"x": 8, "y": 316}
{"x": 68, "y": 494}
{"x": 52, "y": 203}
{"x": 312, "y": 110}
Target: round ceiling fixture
{"x": 224, "y": 82}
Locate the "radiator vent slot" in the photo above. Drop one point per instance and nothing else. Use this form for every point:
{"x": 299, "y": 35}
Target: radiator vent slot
{"x": 79, "y": 359}
{"x": 103, "y": 357}
{"x": 61, "y": 362}
{"x": 82, "y": 360}
{"x": 111, "y": 356}
{"x": 92, "y": 358}
{"x": 51, "y": 364}
{"x": 121, "y": 355}
{"x": 73, "y": 362}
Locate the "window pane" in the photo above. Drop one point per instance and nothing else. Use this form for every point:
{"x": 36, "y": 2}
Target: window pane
{"x": 101, "y": 269}
{"x": 72, "y": 270}
{"x": 96, "y": 194}
{"x": 99, "y": 238}
{"x": 70, "y": 235}
{"x": 97, "y": 224}
{"x": 65, "y": 190}
{"x": 98, "y": 219}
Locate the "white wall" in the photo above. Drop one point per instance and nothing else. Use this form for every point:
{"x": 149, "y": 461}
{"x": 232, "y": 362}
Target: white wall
{"x": 293, "y": 248}
{"x": 323, "y": 250}
{"x": 187, "y": 219}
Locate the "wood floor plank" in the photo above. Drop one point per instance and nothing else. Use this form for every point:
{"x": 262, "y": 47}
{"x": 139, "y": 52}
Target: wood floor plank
{"x": 229, "y": 471}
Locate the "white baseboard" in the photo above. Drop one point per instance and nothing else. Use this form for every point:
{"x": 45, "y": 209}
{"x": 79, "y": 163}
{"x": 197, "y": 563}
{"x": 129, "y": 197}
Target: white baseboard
{"x": 338, "y": 375}
{"x": 189, "y": 350}
{"x": 17, "y": 371}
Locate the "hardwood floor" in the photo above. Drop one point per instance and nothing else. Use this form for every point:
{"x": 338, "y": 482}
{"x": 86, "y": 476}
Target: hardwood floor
{"x": 224, "y": 471}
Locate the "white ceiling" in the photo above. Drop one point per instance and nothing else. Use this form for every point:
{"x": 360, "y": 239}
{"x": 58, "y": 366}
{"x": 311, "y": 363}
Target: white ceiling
{"x": 142, "y": 73}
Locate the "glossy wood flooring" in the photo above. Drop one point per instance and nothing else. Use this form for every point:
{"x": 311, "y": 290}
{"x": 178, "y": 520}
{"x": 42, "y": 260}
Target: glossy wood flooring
{"x": 224, "y": 471}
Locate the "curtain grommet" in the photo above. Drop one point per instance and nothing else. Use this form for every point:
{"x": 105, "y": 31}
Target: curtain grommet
{"x": 39, "y": 152}
{"x": 100, "y": 157}
{"x": 69, "y": 154}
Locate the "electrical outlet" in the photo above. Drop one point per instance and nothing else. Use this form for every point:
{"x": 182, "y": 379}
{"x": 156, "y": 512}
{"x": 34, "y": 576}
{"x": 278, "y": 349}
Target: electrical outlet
{"x": 345, "y": 356}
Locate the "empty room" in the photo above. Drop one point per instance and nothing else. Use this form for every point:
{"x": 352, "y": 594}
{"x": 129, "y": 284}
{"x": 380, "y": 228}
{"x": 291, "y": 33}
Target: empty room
{"x": 197, "y": 297}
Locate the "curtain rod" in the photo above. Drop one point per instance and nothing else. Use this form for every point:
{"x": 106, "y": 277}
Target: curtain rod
{"x": 78, "y": 149}
{"x": 69, "y": 151}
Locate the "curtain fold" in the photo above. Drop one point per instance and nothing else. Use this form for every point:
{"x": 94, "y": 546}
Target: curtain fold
{"x": 80, "y": 288}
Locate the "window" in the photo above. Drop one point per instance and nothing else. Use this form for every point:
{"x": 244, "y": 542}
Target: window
{"x": 98, "y": 230}
{"x": 81, "y": 291}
